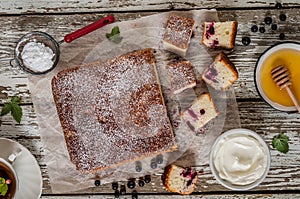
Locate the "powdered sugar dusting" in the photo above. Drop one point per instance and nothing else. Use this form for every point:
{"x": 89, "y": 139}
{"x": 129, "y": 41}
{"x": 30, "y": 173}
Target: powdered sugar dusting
{"x": 178, "y": 31}
{"x": 114, "y": 110}
{"x": 181, "y": 75}
{"x": 37, "y": 57}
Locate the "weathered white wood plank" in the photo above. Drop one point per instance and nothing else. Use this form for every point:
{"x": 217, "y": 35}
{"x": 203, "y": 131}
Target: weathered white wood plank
{"x": 14, "y": 82}
{"x": 220, "y": 196}
{"x": 66, "y": 6}
{"x": 28, "y": 128}
{"x": 285, "y": 168}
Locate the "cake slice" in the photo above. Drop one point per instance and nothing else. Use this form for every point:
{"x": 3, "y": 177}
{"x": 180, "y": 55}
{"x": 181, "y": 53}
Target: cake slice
{"x": 177, "y": 34}
{"x": 181, "y": 76}
{"x": 110, "y": 116}
{"x": 180, "y": 180}
{"x": 200, "y": 112}
{"x": 221, "y": 74}
{"x": 219, "y": 34}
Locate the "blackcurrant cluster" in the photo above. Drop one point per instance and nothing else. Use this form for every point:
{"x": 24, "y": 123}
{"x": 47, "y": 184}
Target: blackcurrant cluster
{"x": 268, "y": 21}
{"x": 118, "y": 192}
{"x": 131, "y": 184}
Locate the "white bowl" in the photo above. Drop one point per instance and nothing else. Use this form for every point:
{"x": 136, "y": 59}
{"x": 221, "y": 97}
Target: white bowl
{"x": 257, "y": 73}
{"x": 226, "y": 183}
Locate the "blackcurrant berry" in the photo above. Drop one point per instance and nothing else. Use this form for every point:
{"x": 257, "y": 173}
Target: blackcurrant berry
{"x": 153, "y": 164}
{"x": 159, "y": 159}
{"x": 138, "y": 166}
{"x": 281, "y": 36}
{"x": 202, "y": 111}
{"x": 117, "y": 193}
{"x": 262, "y": 29}
{"x": 268, "y": 20}
{"x": 282, "y": 17}
{"x": 141, "y": 183}
{"x": 254, "y": 28}
{"x": 123, "y": 190}
{"x": 278, "y": 5}
{"x": 246, "y": 41}
{"x": 147, "y": 179}
{"x": 131, "y": 184}
{"x": 97, "y": 183}
{"x": 134, "y": 195}
{"x": 274, "y": 26}
{"x": 114, "y": 185}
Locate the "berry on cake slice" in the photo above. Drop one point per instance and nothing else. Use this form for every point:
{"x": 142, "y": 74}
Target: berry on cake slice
{"x": 200, "y": 112}
{"x": 177, "y": 34}
{"x": 221, "y": 74}
{"x": 180, "y": 180}
{"x": 181, "y": 76}
{"x": 219, "y": 34}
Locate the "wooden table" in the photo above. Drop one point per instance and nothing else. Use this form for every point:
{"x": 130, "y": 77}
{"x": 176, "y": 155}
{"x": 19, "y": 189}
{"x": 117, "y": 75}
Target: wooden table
{"x": 60, "y": 17}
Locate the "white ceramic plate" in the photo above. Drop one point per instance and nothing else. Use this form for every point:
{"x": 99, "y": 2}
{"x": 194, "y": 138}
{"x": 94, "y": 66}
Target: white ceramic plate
{"x": 27, "y": 169}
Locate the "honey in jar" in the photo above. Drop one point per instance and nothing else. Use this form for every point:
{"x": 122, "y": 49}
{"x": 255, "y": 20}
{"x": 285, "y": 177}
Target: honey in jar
{"x": 290, "y": 58}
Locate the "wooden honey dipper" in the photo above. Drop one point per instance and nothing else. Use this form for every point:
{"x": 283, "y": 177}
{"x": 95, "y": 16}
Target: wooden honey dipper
{"x": 281, "y": 77}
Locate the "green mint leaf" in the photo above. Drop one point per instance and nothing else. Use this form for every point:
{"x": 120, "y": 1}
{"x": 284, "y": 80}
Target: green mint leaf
{"x": 281, "y": 143}
{"x": 114, "y": 36}
{"x": 283, "y": 137}
{"x": 16, "y": 112}
{"x": 15, "y": 100}
{"x": 6, "y": 109}
{"x": 3, "y": 187}
{"x": 14, "y": 108}
{"x": 115, "y": 30}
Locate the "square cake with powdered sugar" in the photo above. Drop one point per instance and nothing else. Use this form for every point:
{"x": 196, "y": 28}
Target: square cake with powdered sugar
{"x": 181, "y": 76}
{"x": 113, "y": 112}
{"x": 178, "y": 34}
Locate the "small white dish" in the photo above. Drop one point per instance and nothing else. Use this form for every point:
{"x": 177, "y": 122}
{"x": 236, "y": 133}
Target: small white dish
{"x": 258, "y": 68}
{"x": 27, "y": 169}
{"x": 237, "y": 132}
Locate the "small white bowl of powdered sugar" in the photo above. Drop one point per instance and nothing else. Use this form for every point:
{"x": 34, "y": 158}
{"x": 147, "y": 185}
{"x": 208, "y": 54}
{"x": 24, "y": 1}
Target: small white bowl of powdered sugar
{"x": 37, "y": 53}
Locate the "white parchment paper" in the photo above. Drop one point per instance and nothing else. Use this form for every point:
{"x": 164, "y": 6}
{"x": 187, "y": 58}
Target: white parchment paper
{"x": 193, "y": 149}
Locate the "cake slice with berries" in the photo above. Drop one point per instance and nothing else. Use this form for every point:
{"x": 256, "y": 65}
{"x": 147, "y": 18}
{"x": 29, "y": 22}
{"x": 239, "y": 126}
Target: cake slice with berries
{"x": 219, "y": 34}
{"x": 177, "y": 34}
{"x": 200, "y": 112}
{"x": 181, "y": 76}
{"x": 180, "y": 180}
{"x": 221, "y": 74}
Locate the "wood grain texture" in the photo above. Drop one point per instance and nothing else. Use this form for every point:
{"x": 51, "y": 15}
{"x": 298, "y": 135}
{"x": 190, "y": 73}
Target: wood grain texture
{"x": 60, "y": 18}
{"x": 213, "y": 196}
{"x": 65, "y": 6}
{"x": 14, "y": 81}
